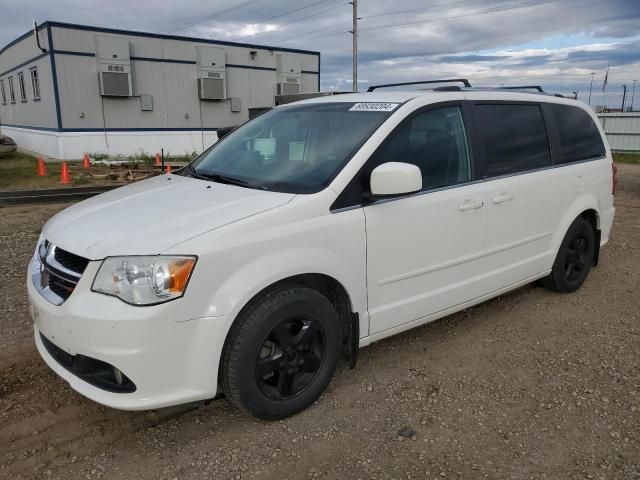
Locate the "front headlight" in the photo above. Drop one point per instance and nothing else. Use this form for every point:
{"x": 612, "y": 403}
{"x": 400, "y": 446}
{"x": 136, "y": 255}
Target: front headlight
{"x": 144, "y": 280}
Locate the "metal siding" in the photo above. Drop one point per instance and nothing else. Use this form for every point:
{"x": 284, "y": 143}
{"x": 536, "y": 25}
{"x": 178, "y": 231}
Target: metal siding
{"x": 82, "y": 40}
{"x": 173, "y": 85}
{"x": 262, "y": 90}
{"x": 179, "y": 50}
{"x": 182, "y": 96}
{"x": 134, "y": 33}
{"x": 78, "y": 88}
{"x": 309, "y": 83}
{"x": 622, "y": 129}
{"x": 40, "y": 113}
{"x": 127, "y": 113}
{"x": 22, "y": 51}
{"x": 218, "y": 113}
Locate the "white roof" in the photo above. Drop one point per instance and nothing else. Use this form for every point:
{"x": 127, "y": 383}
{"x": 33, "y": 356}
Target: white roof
{"x": 395, "y": 96}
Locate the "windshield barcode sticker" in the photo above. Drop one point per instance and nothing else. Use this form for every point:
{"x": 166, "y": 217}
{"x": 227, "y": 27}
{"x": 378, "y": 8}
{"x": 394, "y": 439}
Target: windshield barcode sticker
{"x": 373, "y": 107}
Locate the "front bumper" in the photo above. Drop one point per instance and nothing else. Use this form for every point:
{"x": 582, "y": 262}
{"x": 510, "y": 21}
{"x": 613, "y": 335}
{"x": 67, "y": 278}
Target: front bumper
{"x": 169, "y": 362}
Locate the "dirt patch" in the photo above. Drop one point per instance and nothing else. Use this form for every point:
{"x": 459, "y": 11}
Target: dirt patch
{"x": 530, "y": 385}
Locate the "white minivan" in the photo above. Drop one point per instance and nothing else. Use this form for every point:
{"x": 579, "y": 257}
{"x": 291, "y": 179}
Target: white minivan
{"x": 312, "y": 230}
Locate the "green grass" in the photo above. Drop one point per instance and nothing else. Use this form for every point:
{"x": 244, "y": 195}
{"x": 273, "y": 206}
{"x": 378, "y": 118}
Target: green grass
{"x": 18, "y": 171}
{"x": 141, "y": 157}
{"x": 627, "y": 157}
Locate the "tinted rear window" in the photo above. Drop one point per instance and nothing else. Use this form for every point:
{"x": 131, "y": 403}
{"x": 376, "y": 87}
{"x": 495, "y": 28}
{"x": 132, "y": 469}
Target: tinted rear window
{"x": 514, "y": 138}
{"x": 579, "y": 137}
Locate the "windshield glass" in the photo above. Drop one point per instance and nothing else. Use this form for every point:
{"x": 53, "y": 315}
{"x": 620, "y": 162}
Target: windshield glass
{"x": 295, "y": 149}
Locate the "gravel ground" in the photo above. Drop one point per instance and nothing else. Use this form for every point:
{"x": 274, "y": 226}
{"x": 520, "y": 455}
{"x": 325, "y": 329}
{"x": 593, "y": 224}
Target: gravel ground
{"x": 530, "y": 385}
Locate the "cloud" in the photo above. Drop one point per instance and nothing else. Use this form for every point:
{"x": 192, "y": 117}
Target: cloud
{"x": 556, "y": 44}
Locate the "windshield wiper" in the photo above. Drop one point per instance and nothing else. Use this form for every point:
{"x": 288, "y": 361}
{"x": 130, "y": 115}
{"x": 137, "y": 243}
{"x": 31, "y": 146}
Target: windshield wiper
{"x": 216, "y": 177}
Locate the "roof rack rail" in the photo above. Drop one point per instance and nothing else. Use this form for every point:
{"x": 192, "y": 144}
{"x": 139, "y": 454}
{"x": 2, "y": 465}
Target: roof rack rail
{"x": 524, "y": 87}
{"x": 464, "y": 81}
{"x": 448, "y": 88}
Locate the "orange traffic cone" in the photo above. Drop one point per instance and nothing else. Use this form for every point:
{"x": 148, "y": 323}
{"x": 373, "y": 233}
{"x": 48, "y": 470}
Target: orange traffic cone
{"x": 167, "y": 169}
{"x": 86, "y": 163}
{"x": 65, "y": 178}
{"x": 42, "y": 168}
{"x": 158, "y": 162}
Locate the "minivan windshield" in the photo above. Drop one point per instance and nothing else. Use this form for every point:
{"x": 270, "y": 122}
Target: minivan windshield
{"x": 294, "y": 148}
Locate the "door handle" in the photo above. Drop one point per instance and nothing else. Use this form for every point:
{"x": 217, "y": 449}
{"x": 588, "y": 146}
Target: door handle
{"x": 502, "y": 198}
{"x": 470, "y": 205}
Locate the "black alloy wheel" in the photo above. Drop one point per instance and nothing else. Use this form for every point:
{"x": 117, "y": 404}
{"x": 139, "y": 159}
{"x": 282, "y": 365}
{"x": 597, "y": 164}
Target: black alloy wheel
{"x": 290, "y": 357}
{"x": 281, "y": 352}
{"x": 574, "y": 259}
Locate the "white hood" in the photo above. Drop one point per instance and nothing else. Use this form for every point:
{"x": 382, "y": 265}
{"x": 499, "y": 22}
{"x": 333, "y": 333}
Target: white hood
{"x": 148, "y": 217}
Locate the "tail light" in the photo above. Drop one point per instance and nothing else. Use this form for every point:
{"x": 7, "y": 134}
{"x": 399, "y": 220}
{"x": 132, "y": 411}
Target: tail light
{"x": 614, "y": 180}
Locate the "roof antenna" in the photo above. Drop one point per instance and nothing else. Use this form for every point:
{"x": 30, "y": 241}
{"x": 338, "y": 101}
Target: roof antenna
{"x": 35, "y": 32}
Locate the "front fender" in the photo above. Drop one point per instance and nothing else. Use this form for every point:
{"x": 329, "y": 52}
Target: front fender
{"x": 246, "y": 260}
{"x": 268, "y": 269}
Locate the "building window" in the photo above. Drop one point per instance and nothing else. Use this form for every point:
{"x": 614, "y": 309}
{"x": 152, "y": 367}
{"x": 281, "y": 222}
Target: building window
{"x": 4, "y": 94}
{"x": 12, "y": 93}
{"x": 35, "y": 83}
{"x": 23, "y": 91}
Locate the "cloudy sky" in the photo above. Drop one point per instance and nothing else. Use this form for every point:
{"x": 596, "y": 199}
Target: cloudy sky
{"x": 554, "y": 43}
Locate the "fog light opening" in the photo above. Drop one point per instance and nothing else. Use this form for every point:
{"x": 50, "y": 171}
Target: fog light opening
{"x": 118, "y": 375}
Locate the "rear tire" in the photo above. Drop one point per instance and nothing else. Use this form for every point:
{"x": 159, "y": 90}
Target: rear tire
{"x": 574, "y": 259}
{"x": 281, "y": 352}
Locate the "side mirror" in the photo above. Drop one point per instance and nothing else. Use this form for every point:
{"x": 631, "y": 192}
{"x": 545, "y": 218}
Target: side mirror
{"x": 395, "y": 178}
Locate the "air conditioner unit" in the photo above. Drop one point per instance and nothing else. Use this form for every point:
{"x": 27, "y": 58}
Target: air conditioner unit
{"x": 289, "y": 86}
{"x": 289, "y": 74}
{"x": 114, "y": 66}
{"x": 211, "y": 62}
{"x": 114, "y": 84}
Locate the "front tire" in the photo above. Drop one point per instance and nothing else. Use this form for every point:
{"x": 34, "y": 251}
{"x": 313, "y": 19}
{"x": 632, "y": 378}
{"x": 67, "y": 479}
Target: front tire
{"x": 281, "y": 352}
{"x": 574, "y": 259}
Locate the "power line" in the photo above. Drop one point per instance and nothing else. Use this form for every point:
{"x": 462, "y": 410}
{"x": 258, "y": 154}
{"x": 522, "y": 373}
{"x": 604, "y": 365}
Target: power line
{"x": 501, "y": 9}
{"x": 360, "y": 18}
{"x": 512, "y": 7}
{"x": 315, "y": 31}
{"x": 412, "y": 10}
{"x": 289, "y": 12}
{"x": 320, "y": 36}
{"x": 310, "y": 16}
{"x": 216, "y": 14}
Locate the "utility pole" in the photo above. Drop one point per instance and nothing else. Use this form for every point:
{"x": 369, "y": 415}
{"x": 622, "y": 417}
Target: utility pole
{"x": 633, "y": 93}
{"x": 624, "y": 95}
{"x": 354, "y": 3}
{"x": 591, "y": 86}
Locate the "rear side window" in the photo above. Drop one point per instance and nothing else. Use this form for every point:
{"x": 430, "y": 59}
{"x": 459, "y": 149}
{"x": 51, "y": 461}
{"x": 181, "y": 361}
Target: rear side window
{"x": 579, "y": 137}
{"x": 514, "y": 138}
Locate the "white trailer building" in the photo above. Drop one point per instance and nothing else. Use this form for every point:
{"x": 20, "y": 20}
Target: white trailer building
{"x": 71, "y": 89}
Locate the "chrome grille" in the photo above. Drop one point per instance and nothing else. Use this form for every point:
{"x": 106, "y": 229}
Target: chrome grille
{"x": 56, "y": 272}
